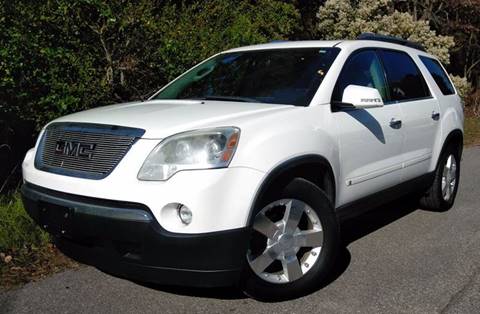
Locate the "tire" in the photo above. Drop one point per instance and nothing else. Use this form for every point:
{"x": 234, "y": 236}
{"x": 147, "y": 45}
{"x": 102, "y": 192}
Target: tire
{"x": 435, "y": 199}
{"x": 276, "y": 284}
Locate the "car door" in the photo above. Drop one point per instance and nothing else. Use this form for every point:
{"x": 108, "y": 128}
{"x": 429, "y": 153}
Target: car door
{"x": 420, "y": 110}
{"x": 370, "y": 140}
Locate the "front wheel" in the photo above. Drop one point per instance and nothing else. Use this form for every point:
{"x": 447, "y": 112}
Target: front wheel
{"x": 294, "y": 243}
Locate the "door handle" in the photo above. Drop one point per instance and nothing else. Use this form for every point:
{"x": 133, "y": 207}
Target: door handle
{"x": 435, "y": 115}
{"x": 396, "y": 124}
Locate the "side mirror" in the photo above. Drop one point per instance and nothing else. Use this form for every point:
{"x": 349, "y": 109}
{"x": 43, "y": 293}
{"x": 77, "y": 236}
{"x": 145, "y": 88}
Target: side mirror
{"x": 361, "y": 97}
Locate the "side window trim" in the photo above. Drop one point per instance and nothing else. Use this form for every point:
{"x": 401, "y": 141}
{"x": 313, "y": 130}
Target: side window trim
{"x": 375, "y": 50}
{"x": 387, "y": 82}
{"x": 408, "y": 100}
{"x": 425, "y": 85}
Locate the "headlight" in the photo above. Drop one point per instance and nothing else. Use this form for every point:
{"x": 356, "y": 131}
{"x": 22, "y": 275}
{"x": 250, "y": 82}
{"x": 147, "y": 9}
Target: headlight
{"x": 201, "y": 149}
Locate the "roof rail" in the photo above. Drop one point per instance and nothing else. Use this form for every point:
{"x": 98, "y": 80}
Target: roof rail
{"x": 391, "y": 39}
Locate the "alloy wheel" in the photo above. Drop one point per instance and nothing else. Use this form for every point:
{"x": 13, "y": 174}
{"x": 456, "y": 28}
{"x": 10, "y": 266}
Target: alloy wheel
{"x": 449, "y": 178}
{"x": 287, "y": 241}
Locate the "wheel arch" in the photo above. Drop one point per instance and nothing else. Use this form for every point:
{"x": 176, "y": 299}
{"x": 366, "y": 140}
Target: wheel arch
{"x": 455, "y": 137}
{"x": 314, "y": 168}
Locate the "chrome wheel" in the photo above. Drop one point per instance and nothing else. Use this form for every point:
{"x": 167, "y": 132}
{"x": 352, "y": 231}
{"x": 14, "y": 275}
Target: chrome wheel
{"x": 449, "y": 178}
{"x": 287, "y": 241}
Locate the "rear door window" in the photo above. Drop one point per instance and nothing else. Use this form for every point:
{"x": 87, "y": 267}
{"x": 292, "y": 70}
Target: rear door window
{"x": 404, "y": 78}
{"x": 439, "y": 75}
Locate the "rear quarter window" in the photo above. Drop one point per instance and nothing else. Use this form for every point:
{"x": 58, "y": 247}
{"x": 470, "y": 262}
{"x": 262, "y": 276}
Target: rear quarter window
{"x": 404, "y": 78}
{"x": 439, "y": 75}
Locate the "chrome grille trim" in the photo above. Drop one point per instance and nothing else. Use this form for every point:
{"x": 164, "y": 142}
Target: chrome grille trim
{"x": 111, "y": 143}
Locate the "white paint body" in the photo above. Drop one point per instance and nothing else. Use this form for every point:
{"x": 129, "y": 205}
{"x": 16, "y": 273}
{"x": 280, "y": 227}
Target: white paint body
{"x": 365, "y": 153}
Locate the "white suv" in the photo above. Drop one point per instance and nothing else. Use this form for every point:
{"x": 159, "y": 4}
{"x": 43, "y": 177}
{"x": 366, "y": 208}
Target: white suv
{"x": 239, "y": 171}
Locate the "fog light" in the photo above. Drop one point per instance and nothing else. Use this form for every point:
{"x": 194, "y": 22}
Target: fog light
{"x": 185, "y": 214}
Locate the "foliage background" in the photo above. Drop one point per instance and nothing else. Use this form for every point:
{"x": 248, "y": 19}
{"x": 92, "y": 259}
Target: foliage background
{"x": 62, "y": 56}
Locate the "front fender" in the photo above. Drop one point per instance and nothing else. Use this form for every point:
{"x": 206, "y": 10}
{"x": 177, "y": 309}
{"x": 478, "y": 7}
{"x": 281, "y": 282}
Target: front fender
{"x": 285, "y": 136}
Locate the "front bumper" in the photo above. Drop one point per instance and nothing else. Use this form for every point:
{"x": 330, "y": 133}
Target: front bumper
{"x": 220, "y": 199}
{"x": 126, "y": 240}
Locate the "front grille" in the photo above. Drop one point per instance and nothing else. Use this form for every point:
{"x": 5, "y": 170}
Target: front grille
{"x": 84, "y": 150}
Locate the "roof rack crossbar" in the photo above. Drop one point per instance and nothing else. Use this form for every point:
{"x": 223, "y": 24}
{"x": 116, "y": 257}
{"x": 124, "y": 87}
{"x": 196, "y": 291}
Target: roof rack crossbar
{"x": 391, "y": 39}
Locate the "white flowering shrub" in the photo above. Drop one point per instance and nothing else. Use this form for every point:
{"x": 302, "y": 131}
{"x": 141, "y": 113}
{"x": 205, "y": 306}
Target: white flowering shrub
{"x": 464, "y": 88}
{"x": 346, "y": 19}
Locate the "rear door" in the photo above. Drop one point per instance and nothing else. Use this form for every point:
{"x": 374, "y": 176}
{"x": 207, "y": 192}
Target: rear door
{"x": 420, "y": 111}
{"x": 370, "y": 145}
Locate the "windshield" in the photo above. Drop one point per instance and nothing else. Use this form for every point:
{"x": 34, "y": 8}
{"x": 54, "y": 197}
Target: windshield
{"x": 279, "y": 76}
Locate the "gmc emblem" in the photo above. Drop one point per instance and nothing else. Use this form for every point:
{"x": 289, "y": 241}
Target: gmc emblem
{"x": 75, "y": 149}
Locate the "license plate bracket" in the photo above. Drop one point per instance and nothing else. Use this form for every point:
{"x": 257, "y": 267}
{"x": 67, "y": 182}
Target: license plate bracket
{"x": 56, "y": 219}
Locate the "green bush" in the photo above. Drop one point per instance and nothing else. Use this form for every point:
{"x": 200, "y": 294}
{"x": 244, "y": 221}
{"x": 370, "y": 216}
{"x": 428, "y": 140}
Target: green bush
{"x": 17, "y": 230}
{"x": 63, "y": 56}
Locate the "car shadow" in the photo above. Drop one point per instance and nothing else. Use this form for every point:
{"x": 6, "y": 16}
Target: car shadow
{"x": 222, "y": 293}
{"x": 369, "y": 122}
{"x": 234, "y": 293}
{"x": 363, "y": 224}
{"x": 352, "y": 229}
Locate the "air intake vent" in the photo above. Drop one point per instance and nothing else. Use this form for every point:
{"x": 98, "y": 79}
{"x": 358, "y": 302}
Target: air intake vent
{"x": 84, "y": 150}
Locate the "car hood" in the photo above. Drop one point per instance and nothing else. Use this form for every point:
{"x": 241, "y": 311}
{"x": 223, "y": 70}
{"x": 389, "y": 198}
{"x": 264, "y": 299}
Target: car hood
{"x": 161, "y": 118}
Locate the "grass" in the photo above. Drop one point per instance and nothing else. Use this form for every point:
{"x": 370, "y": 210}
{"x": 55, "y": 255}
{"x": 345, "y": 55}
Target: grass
{"x": 472, "y": 130}
{"x": 26, "y": 252}
{"x": 16, "y": 228}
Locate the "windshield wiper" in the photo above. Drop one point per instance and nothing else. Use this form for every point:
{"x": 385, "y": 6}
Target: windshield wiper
{"x": 228, "y": 98}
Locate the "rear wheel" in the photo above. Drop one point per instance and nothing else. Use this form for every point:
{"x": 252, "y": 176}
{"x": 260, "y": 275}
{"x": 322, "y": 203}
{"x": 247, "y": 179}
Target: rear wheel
{"x": 441, "y": 194}
{"x": 294, "y": 243}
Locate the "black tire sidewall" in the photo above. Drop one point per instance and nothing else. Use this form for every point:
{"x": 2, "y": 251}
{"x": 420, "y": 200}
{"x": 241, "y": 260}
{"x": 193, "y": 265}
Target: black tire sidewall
{"x": 450, "y": 150}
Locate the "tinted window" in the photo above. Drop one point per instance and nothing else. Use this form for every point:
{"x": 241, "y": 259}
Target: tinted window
{"x": 277, "y": 76}
{"x": 404, "y": 78}
{"x": 362, "y": 68}
{"x": 439, "y": 75}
